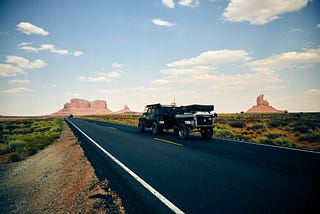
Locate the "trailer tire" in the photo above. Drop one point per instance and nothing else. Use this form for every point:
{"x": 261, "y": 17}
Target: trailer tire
{"x": 206, "y": 133}
{"x": 183, "y": 131}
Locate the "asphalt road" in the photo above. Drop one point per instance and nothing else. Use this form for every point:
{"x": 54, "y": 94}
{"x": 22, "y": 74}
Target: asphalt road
{"x": 214, "y": 176}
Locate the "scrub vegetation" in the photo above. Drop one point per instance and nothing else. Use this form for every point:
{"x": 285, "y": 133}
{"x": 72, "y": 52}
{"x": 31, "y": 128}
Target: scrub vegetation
{"x": 126, "y": 119}
{"x": 294, "y": 130}
{"x": 20, "y": 138}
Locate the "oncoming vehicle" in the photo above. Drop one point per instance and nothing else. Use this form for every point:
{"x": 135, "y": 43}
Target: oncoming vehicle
{"x": 182, "y": 120}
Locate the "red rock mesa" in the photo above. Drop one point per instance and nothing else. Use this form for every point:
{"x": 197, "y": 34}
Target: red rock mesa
{"x": 263, "y": 107}
{"x": 83, "y": 107}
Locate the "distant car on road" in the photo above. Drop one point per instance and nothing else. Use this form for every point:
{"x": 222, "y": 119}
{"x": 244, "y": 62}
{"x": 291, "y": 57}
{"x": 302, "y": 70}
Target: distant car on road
{"x": 182, "y": 120}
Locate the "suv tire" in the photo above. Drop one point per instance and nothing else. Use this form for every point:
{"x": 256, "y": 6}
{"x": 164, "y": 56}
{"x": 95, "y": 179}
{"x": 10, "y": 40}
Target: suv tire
{"x": 141, "y": 126}
{"x": 155, "y": 128}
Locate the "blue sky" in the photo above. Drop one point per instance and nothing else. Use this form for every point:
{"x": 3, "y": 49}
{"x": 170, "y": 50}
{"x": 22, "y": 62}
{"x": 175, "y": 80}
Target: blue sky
{"x": 217, "y": 52}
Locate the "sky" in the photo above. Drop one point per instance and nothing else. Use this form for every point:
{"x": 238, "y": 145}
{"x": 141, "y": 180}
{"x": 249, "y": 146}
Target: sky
{"x": 138, "y": 52}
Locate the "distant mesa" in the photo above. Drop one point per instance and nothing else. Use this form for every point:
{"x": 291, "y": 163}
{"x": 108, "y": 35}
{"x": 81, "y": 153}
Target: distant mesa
{"x": 125, "y": 109}
{"x": 264, "y": 107}
{"x": 83, "y": 107}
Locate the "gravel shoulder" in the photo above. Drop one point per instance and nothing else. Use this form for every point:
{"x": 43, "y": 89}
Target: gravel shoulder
{"x": 59, "y": 179}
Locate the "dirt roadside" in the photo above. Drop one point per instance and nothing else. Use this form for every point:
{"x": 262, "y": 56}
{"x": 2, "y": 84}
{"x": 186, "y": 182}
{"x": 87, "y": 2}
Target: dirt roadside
{"x": 59, "y": 179}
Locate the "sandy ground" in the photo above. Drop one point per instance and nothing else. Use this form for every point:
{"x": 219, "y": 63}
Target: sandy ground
{"x": 59, "y": 179}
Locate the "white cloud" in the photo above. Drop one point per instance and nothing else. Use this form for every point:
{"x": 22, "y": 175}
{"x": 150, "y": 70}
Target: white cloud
{"x": 161, "y": 81}
{"x": 19, "y": 81}
{"x": 112, "y": 74}
{"x": 315, "y": 91}
{"x": 205, "y": 70}
{"x": 168, "y": 3}
{"x": 16, "y": 91}
{"x": 24, "y": 63}
{"x": 295, "y": 30}
{"x": 77, "y": 53}
{"x": 101, "y": 77}
{"x": 318, "y": 26}
{"x": 161, "y": 22}
{"x": 28, "y": 28}
{"x": 116, "y": 65}
{"x": 288, "y": 59}
{"x": 7, "y": 70}
{"x": 60, "y": 51}
{"x": 47, "y": 47}
{"x": 259, "y": 12}
{"x": 212, "y": 58}
{"x": 189, "y": 3}
{"x": 24, "y": 44}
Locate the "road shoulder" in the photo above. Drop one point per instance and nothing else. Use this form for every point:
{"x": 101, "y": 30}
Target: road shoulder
{"x": 57, "y": 179}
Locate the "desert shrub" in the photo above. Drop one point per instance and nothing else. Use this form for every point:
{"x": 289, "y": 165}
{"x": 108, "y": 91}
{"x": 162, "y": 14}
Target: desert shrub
{"x": 15, "y": 157}
{"x": 40, "y": 129}
{"x": 300, "y": 128}
{"x": 283, "y": 141}
{"x": 242, "y": 138}
{"x": 4, "y": 148}
{"x": 1, "y": 132}
{"x": 273, "y": 135}
{"x": 312, "y": 124}
{"x": 237, "y": 124}
{"x": 277, "y": 123}
{"x": 11, "y": 127}
{"x": 224, "y": 133}
{"x": 256, "y": 127}
{"x": 310, "y": 138}
{"x": 31, "y": 150}
{"x": 22, "y": 130}
{"x": 287, "y": 128}
{"x": 17, "y": 145}
{"x": 317, "y": 148}
{"x": 223, "y": 126}
{"x": 27, "y": 137}
{"x": 266, "y": 140}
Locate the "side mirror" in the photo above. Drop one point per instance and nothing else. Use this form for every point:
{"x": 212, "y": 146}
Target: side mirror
{"x": 215, "y": 115}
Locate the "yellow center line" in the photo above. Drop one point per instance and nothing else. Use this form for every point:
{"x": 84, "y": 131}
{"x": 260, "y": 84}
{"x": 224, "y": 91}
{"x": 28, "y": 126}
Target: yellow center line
{"x": 167, "y": 141}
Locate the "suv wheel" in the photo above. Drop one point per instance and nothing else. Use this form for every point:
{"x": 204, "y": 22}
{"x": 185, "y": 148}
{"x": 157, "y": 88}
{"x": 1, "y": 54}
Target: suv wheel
{"x": 206, "y": 133}
{"x": 141, "y": 126}
{"x": 155, "y": 128}
{"x": 183, "y": 131}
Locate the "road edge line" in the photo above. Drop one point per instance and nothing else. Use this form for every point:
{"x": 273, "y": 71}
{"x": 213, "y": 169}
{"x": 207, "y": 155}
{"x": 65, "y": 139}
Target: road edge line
{"x": 153, "y": 191}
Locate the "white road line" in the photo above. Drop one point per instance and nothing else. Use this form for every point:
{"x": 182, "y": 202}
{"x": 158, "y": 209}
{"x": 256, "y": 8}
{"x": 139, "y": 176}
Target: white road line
{"x": 157, "y": 194}
{"x": 110, "y": 127}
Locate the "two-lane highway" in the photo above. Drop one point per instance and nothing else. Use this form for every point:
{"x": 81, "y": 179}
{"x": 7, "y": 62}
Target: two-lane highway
{"x": 216, "y": 176}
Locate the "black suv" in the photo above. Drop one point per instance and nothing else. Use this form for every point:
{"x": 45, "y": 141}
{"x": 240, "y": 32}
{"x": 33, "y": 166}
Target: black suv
{"x": 158, "y": 117}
